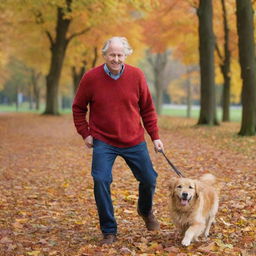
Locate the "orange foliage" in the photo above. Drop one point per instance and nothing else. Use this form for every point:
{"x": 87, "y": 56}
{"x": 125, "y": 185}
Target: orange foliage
{"x": 166, "y": 25}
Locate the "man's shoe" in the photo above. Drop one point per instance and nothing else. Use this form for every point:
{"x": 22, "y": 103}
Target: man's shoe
{"x": 150, "y": 221}
{"x": 108, "y": 239}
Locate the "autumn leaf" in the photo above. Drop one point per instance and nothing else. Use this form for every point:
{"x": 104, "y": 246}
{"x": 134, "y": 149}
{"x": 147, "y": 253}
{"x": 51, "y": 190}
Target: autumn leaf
{"x": 33, "y": 253}
{"x": 47, "y": 202}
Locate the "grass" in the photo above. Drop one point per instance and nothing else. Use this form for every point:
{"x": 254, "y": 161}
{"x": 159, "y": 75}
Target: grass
{"x": 235, "y": 113}
{"x": 176, "y": 111}
{"x": 24, "y": 107}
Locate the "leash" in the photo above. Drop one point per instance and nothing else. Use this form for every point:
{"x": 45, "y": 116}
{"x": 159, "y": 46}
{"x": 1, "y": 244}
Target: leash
{"x": 172, "y": 165}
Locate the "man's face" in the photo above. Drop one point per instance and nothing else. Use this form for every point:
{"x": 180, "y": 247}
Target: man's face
{"x": 115, "y": 57}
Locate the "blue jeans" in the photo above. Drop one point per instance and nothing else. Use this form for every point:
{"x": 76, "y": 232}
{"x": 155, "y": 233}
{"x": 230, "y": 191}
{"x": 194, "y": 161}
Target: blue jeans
{"x": 137, "y": 158}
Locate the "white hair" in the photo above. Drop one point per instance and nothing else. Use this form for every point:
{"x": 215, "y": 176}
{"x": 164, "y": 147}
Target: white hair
{"x": 127, "y": 48}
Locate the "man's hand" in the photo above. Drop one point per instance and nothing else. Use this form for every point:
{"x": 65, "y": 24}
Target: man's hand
{"x": 89, "y": 141}
{"x": 158, "y": 144}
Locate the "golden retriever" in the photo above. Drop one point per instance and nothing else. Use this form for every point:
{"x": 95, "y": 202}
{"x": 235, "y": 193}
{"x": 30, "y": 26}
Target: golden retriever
{"x": 193, "y": 206}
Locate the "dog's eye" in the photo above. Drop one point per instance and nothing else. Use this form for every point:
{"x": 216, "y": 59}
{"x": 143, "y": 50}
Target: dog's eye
{"x": 191, "y": 187}
{"x": 179, "y": 186}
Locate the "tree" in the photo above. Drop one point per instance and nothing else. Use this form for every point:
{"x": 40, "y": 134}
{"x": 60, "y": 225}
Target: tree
{"x": 77, "y": 73}
{"x": 225, "y": 60}
{"x": 4, "y": 43}
{"x": 62, "y": 21}
{"x": 15, "y": 87}
{"x": 58, "y": 48}
{"x": 162, "y": 30}
{"x": 35, "y": 88}
{"x": 158, "y": 63}
{"x": 206, "y": 51}
{"x": 245, "y": 29}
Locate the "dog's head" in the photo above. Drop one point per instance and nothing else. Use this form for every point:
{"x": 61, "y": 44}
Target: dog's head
{"x": 184, "y": 191}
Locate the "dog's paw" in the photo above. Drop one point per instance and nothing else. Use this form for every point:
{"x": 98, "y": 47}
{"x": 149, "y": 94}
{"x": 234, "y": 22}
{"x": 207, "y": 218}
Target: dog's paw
{"x": 186, "y": 241}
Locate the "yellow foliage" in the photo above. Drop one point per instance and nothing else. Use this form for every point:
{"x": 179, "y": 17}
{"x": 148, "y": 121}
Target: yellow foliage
{"x": 120, "y": 20}
{"x": 177, "y": 88}
{"x": 176, "y": 91}
{"x": 236, "y": 82}
{"x": 218, "y": 75}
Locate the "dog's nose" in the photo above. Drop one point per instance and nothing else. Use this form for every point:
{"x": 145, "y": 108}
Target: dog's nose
{"x": 184, "y": 195}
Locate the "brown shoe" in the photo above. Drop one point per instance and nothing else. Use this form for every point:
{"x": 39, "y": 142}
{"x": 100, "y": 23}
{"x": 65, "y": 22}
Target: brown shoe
{"x": 150, "y": 221}
{"x": 108, "y": 239}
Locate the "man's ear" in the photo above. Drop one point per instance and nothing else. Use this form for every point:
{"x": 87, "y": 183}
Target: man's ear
{"x": 172, "y": 186}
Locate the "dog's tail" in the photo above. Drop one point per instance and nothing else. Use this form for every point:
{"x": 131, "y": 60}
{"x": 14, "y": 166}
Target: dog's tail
{"x": 208, "y": 178}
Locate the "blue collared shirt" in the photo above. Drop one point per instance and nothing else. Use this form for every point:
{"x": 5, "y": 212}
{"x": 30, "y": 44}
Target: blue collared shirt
{"x": 111, "y": 74}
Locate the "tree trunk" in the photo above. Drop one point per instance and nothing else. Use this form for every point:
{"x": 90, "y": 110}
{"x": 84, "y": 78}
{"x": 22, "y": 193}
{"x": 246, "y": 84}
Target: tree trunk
{"x": 77, "y": 75}
{"x": 159, "y": 92}
{"x": 226, "y": 96}
{"x": 189, "y": 94}
{"x": 206, "y": 50}
{"x": 37, "y": 99}
{"x": 225, "y": 68}
{"x": 245, "y": 28}
{"x": 35, "y": 88}
{"x": 95, "y": 57}
{"x": 30, "y": 96}
{"x": 158, "y": 63}
{"x": 58, "y": 50}
{"x": 17, "y": 98}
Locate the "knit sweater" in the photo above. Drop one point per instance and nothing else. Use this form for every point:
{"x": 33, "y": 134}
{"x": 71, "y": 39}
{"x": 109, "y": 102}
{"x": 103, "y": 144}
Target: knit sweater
{"x": 118, "y": 108}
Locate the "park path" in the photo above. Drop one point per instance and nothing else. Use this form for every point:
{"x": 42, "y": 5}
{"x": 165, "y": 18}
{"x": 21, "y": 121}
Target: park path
{"x": 47, "y": 205}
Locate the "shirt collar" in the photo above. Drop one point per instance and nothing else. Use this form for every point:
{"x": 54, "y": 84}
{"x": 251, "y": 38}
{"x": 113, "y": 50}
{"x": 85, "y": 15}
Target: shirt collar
{"x": 108, "y": 72}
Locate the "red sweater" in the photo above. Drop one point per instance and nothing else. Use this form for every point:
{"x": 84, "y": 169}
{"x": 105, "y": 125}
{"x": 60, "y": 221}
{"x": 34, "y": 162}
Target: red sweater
{"x": 116, "y": 107}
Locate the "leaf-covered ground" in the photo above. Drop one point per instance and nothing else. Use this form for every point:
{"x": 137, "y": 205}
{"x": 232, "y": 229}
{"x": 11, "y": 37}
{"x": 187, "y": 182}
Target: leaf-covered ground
{"x": 46, "y": 191}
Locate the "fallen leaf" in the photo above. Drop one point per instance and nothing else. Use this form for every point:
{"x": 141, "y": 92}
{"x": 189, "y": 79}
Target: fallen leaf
{"x": 33, "y": 253}
{"x": 5, "y": 240}
{"x": 208, "y": 248}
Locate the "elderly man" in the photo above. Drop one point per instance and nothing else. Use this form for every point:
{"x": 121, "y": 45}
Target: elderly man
{"x": 120, "y": 102}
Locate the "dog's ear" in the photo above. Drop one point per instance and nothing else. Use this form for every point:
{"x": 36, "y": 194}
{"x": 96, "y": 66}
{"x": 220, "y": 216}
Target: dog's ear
{"x": 198, "y": 188}
{"x": 172, "y": 186}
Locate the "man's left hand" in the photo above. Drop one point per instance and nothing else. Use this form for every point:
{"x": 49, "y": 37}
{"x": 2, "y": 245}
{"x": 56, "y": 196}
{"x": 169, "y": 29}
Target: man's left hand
{"x": 158, "y": 144}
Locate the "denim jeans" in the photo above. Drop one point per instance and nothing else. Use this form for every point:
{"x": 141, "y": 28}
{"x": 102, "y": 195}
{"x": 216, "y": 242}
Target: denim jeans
{"x": 137, "y": 158}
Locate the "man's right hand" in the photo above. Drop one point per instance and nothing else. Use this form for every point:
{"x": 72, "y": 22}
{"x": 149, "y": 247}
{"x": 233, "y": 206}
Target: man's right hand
{"x": 89, "y": 141}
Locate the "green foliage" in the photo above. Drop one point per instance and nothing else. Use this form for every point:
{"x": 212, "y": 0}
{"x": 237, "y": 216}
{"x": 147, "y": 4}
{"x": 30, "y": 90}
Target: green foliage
{"x": 17, "y": 81}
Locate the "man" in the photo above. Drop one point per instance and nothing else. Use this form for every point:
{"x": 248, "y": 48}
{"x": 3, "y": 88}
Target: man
{"x": 119, "y": 98}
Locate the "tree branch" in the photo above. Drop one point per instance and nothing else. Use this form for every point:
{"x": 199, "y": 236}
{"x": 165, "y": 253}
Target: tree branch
{"x": 78, "y": 34}
{"x": 38, "y": 16}
{"x": 48, "y": 34}
{"x": 95, "y": 57}
{"x": 218, "y": 51}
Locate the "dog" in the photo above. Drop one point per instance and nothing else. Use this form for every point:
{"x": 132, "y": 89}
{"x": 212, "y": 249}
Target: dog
{"x": 193, "y": 206}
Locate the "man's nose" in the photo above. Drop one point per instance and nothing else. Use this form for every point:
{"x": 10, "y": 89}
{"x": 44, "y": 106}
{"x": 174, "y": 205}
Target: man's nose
{"x": 116, "y": 58}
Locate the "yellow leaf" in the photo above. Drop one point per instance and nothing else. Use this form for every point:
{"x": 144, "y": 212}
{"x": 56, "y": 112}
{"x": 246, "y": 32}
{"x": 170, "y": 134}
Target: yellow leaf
{"x": 154, "y": 245}
{"x": 65, "y": 185}
{"x": 34, "y": 253}
{"x": 223, "y": 245}
{"x": 132, "y": 197}
{"x": 23, "y": 220}
{"x": 80, "y": 222}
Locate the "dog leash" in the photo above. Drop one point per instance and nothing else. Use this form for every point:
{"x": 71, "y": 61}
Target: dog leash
{"x": 172, "y": 165}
